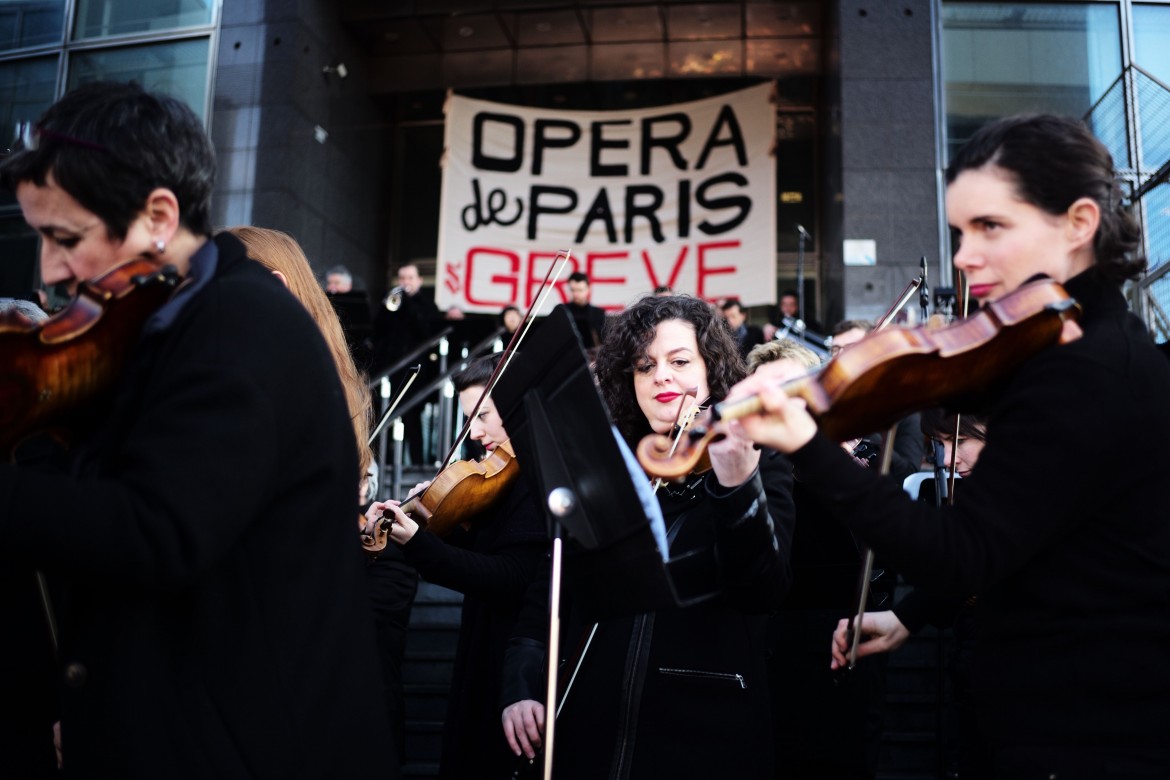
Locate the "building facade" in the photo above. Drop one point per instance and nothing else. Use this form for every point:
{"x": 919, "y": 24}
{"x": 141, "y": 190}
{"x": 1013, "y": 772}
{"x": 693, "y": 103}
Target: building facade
{"x": 328, "y": 116}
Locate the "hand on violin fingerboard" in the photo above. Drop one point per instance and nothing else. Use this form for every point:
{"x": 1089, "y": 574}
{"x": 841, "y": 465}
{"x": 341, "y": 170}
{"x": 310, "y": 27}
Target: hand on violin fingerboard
{"x": 784, "y": 424}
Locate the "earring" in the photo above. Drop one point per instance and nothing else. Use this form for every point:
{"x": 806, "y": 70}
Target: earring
{"x": 160, "y": 246}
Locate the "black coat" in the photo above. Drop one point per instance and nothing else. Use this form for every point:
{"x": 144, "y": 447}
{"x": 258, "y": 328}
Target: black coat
{"x": 216, "y": 622}
{"x": 492, "y": 564}
{"x": 663, "y": 694}
{"x": 1063, "y": 532}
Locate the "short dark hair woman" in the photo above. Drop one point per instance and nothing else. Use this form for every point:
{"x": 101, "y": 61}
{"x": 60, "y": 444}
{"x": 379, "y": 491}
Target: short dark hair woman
{"x": 214, "y": 582}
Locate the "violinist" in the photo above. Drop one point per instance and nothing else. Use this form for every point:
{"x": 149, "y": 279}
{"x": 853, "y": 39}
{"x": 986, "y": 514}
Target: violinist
{"x": 491, "y": 562}
{"x": 214, "y": 621}
{"x": 392, "y": 582}
{"x": 679, "y": 692}
{"x": 1062, "y": 528}
{"x": 887, "y": 630}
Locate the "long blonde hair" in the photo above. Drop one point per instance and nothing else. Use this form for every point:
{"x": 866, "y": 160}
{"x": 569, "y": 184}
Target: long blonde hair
{"x": 280, "y": 252}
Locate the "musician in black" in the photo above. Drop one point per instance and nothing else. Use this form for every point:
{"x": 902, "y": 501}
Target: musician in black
{"x": 1062, "y": 529}
{"x": 589, "y": 319}
{"x": 649, "y": 681}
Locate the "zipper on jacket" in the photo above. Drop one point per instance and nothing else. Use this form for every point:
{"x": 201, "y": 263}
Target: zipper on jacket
{"x": 706, "y": 675}
{"x": 628, "y": 717}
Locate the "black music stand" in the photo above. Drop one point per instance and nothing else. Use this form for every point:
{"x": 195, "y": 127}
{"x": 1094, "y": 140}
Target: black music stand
{"x": 614, "y": 562}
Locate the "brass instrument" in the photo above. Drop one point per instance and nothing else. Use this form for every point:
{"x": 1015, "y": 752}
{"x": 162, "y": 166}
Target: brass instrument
{"x": 394, "y": 300}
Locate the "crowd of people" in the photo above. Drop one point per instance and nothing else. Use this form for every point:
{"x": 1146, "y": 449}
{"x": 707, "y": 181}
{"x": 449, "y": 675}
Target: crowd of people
{"x": 189, "y": 596}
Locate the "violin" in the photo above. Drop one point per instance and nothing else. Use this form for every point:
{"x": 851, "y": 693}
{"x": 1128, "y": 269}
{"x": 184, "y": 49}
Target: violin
{"x": 895, "y": 372}
{"x": 53, "y": 372}
{"x": 465, "y": 488}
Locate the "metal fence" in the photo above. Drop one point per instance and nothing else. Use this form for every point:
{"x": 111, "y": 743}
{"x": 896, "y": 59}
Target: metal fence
{"x": 1132, "y": 119}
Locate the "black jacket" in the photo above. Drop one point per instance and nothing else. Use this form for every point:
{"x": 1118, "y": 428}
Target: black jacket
{"x": 1063, "y": 532}
{"x": 217, "y": 622}
{"x": 492, "y": 564}
{"x": 649, "y": 683}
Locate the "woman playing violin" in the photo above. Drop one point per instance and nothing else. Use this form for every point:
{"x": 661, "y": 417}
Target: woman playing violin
{"x": 1062, "y": 527}
{"x": 680, "y": 692}
{"x": 215, "y": 622}
{"x": 491, "y": 562}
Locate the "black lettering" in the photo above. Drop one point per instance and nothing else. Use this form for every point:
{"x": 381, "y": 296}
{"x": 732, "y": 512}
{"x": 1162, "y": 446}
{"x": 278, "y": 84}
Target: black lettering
{"x": 684, "y": 208}
{"x": 599, "y": 210}
{"x": 668, "y": 142}
{"x": 541, "y": 139}
{"x": 599, "y": 143}
{"x": 647, "y": 210}
{"x": 726, "y": 118}
{"x": 485, "y": 163}
{"x": 740, "y": 202}
{"x": 536, "y": 208}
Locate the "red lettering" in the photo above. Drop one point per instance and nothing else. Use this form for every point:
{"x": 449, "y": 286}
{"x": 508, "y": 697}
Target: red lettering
{"x": 596, "y": 279}
{"x": 674, "y": 271}
{"x": 509, "y": 280}
{"x": 704, "y": 271}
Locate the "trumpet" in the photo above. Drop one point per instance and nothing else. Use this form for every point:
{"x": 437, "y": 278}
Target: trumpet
{"x": 394, "y": 299}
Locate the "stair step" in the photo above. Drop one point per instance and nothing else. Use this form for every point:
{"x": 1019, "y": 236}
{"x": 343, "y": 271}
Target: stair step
{"x": 444, "y": 614}
{"x": 429, "y": 592}
{"x": 414, "y": 769}
{"x": 424, "y": 740}
{"x": 426, "y": 702}
{"x": 430, "y": 668}
{"x": 432, "y": 637}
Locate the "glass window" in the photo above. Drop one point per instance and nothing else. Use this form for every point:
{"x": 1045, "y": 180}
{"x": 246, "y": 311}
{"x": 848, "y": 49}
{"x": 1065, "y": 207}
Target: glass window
{"x": 175, "y": 68}
{"x": 25, "y": 23}
{"x": 1008, "y": 58}
{"x": 26, "y": 90}
{"x": 1151, "y": 55}
{"x": 103, "y": 18}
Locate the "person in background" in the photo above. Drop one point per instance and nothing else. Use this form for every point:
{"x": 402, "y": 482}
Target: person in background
{"x": 338, "y": 280}
{"x": 215, "y": 620}
{"x": 663, "y": 290}
{"x": 746, "y": 336}
{"x": 1073, "y": 579}
{"x": 510, "y": 319}
{"x": 886, "y": 631}
{"x": 282, "y": 255}
{"x": 589, "y": 319}
{"x": 400, "y": 327}
{"x": 491, "y": 558}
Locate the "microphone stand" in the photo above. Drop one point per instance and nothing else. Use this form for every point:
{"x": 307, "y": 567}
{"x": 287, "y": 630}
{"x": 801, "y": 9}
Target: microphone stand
{"x": 923, "y": 293}
{"x": 803, "y": 234}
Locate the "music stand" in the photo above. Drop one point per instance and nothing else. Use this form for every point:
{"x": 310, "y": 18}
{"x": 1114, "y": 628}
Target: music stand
{"x": 557, "y": 422}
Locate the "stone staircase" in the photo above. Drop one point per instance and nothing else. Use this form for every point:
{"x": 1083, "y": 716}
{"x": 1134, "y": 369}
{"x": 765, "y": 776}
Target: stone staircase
{"x": 430, "y": 657}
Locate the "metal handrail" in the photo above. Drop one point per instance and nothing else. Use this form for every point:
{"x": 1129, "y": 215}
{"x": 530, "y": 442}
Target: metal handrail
{"x": 411, "y": 358}
{"x": 421, "y": 396}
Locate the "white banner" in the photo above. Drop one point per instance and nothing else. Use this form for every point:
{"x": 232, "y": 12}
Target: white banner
{"x": 681, "y": 195}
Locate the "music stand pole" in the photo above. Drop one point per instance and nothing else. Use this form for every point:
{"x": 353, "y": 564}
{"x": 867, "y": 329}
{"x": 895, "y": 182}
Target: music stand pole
{"x": 561, "y": 503}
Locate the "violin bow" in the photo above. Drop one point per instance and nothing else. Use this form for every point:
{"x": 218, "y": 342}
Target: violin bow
{"x": 955, "y": 441}
{"x": 554, "y": 272}
{"x": 394, "y": 404}
{"x": 853, "y": 633}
